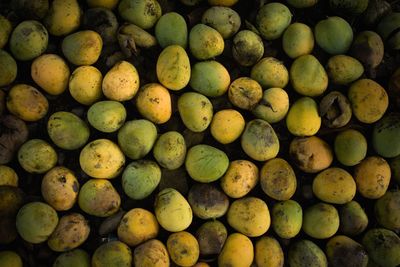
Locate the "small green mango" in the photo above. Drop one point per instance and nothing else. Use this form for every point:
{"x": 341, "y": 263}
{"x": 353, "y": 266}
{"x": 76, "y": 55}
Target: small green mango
{"x": 386, "y": 136}
{"x": 321, "y": 220}
{"x": 112, "y": 254}
{"x": 305, "y": 253}
{"x": 350, "y": 147}
{"x": 171, "y": 29}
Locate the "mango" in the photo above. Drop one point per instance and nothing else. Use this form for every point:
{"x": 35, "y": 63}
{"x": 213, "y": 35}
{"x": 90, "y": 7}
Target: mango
{"x": 173, "y": 67}
{"x": 99, "y": 198}
{"x": 102, "y": 158}
{"x": 245, "y": 93}
{"x": 353, "y": 219}
{"x": 67, "y": 130}
{"x": 171, "y": 29}
{"x": 37, "y": 156}
{"x": 131, "y": 37}
{"x": 273, "y": 106}
{"x": 60, "y": 188}
{"x": 5, "y": 31}
{"x": 287, "y": 218}
{"x": 259, "y": 140}
{"x": 302, "y": 3}
{"x": 227, "y": 125}
{"x": 85, "y": 85}
{"x": 136, "y": 138}
{"x": 222, "y": 2}
{"x": 140, "y": 178}
{"x": 335, "y": 110}
{"x": 8, "y": 176}
{"x": 349, "y": 7}
{"x": 110, "y": 4}
{"x": 304, "y": 253}
{"x": 325, "y": 216}
{"x": 75, "y": 257}
{"x": 387, "y": 28}
{"x": 277, "y": 179}
{"x": 386, "y": 134}
{"x": 372, "y": 176}
{"x": 170, "y": 150}
{"x": 209, "y": 78}
{"x": 51, "y": 73}
{"x": 297, "y": 40}
{"x": 211, "y": 236}
{"x": 270, "y": 72}
{"x": 303, "y": 118}
{"x": 238, "y": 251}
{"x": 106, "y": 116}
{"x": 26, "y": 102}
{"x": 387, "y": 210}
{"x": 10, "y": 258}
{"x": 121, "y": 82}
{"x": 183, "y": 248}
{"x": 334, "y": 35}
{"x": 205, "y": 42}
{"x": 240, "y": 178}
{"x": 72, "y": 231}
{"x": 82, "y": 47}
{"x": 8, "y": 72}
{"x": 344, "y": 251}
{"x": 12, "y": 198}
{"x": 368, "y": 48}
{"x": 141, "y": 13}
{"x": 63, "y": 17}
{"x": 195, "y": 110}
{"x": 308, "y": 77}
{"x": 172, "y": 210}
{"x": 137, "y": 226}
{"x": 112, "y": 254}
{"x": 248, "y": 48}
{"x": 344, "y": 69}
{"x": 350, "y": 147}
{"x": 224, "y": 19}
{"x": 28, "y": 40}
{"x": 151, "y": 253}
{"x": 272, "y": 20}
{"x": 36, "y": 221}
{"x": 268, "y": 252}
{"x": 103, "y": 21}
{"x": 334, "y": 185}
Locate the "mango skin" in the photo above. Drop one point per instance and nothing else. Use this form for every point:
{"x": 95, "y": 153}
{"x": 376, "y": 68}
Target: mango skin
{"x": 140, "y": 178}
{"x": 348, "y": 6}
{"x": 10, "y": 258}
{"x": 9, "y": 69}
{"x": 85, "y": 85}
{"x": 259, "y": 140}
{"x": 67, "y": 130}
{"x": 287, "y": 218}
{"x": 36, "y": 221}
{"x": 209, "y": 78}
{"x": 173, "y": 67}
{"x": 171, "y": 29}
{"x": 248, "y": 48}
{"x": 368, "y": 48}
{"x": 109, "y": 4}
{"x": 224, "y": 19}
{"x": 82, "y": 47}
{"x": 303, "y": 118}
{"x": 270, "y": 72}
{"x": 102, "y": 158}
{"x": 334, "y": 35}
{"x": 353, "y": 219}
{"x": 99, "y": 198}
{"x": 268, "y": 252}
{"x": 227, "y": 125}
{"x": 343, "y": 69}
{"x": 395, "y": 169}
{"x": 278, "y": 179}
{"x": 5, "y": 31}
{"x": 141, "y": 13}
{"x": 386, "y": 136}
{"x": 73, "y": 258}
{"x": 372, "y": 176}
{"x": 387, "y": 210}
{"x": 211, "y": 236}
{"x": 305, "y": 253}
{"x": 272, "y": 20}
{"x": 238, "y": 251}
{"x": 240, "y": 178}
{"x": 298, "y": 40}
{"x": 344, "y": 251}
{"x": 170, "y": 150}
{"x": 195, "y": 110}
{"x": 302, "y": 3}
{"x": 107, "y": 116}
{"x": 51, "y": 73}
{"x": 183, "y": 248}
{"x": 172, "y": 210}
{"x": 222, "y": 2}
{"x": 37, "y": 156}
{"x": 350, "y": 147}
{"x": 151, "y": 253}
{"x": 273, "y": 106}
{"x": 325, "y": 216}
{"x": 245, "y": 93}
{"x": 8, "y": 176}
{"x": 205, "y": 42}
{"x": 63, "y": 17}
{"x": 28, "y": 40}
{"x": 114, "y": 253}
{"x": 334, "y": 185}
{"x": 308, "y": 77}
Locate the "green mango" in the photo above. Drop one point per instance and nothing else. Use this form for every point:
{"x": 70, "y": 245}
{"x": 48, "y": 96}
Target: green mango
{"x": 344, "y": 69}
{"x": 224, "y": 19}
{"x": 196, "y": 111}
{"x": 210, "y": 78}
{"x": 9, "y": 69}
{"x": 386, "y": 136}
{"x": 272, "y": 20}
{"x": 287, "y": 218}
{"x": 305, "y": 253}
{"x": 171, "y": 29}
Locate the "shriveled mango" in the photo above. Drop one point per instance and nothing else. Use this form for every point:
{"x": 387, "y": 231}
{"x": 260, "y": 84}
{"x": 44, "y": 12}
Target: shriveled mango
{"x": 240, "y": 178}
{"x": 183, "y": 248}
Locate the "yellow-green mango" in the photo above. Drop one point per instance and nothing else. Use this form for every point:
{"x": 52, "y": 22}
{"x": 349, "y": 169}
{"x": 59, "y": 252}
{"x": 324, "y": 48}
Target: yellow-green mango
{"x": 112, "y": 254}
{"x": 73, "y": 258}
{"x": 350, "y": 147}
{"x": 82, "y": 47}
{"x": 37, "y": 156}
{"x": 259, "y": 140}
{"x": 195, "y": 110}
{"x": 273, "y": 106}
{"x": 298, "y": 40}
{"x": 308, "y": 77}
{"x": 28, "y": 40}
{"x": 136, "y": 138}
{"x": 247, "y": 48}
{"x": 245, "y": 93}
{"x": 303, "y": 117}
{"x": 9, "y": 258}
{"x": 270, "y": 72}
{"x": 268, "y": 252}
{"x": 106, "y": 116}
{"x": 224, "y": 19}
{"x": 287, "y": 218}
{"x": 63, "y": 17}
{"x": 67, "y": 130}
{"x": 36, "y": 221}
{"x": 238, "y": 251}
{"x": 387, "y": 210}
{"x": 272, "y": 20}
{"x": 211, "y": 236}
{"x": 9, "y": 69}
{"x": 344, "y": 69}
{"x": 85, "y": 85}
{"x": 227, "y": 125}
{"x": 173, "y": 67}
{"x": 302, "y": 3}
{"x": 353, "y": 219}
{"x": 170, "y": 150}
{"x": 183, "y": 248}
{"x": 5, "y": 31}
{"x": 320, "y": 221}
{"x": 8, "y": 176}
{"x": 172, "y": 210}
{"x": 334, "y": 35}
{"x": 171, "y": 29}
{"x": 143, "y": 13}
{"x": 304, "y": 253}
{"x": 205, "y": 42}
{"x": 344, "y": 251}
{"x": 205, "y": 163}
{"x": 151, "y": 253}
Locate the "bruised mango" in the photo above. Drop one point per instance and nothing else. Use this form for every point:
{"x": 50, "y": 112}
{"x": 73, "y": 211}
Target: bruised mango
{"x": 287, "y": 218}
{"x": 240, "y": 178}
{"x": 368, "y": 48}
{"x": 273, "y": 106}
{"x": 106, "y": 116}
{"x": 248, "y": 48}
{"x": 304, "y": 253}
{"x": 268, "y": 252}
{"x": 245, "y": 93}
{"x": 238, "y": 251}
{"x": 344, "y": 251}
{"x": 272, "y": 20}
{"x": 183, "y": 248}
{"x": 171, "y": 29}
{"x": 211, "y": 236}
{"x": 227, "y": 125}
{"x": 335, "y": 110}
{"x": 353, "y": 219}
{"x": 195, "y": 110}
{"x": 151, "y": 253}
{"x": 303, "y": 118}
{"x": 205, "y": 42}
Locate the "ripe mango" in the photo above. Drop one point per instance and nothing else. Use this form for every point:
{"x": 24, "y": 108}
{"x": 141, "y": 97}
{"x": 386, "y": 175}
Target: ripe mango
{"x": 303, "y": 118}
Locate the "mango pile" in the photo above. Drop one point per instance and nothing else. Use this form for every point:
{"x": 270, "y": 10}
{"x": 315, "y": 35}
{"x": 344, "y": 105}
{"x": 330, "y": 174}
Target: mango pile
{"x": 199, "y": 133}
